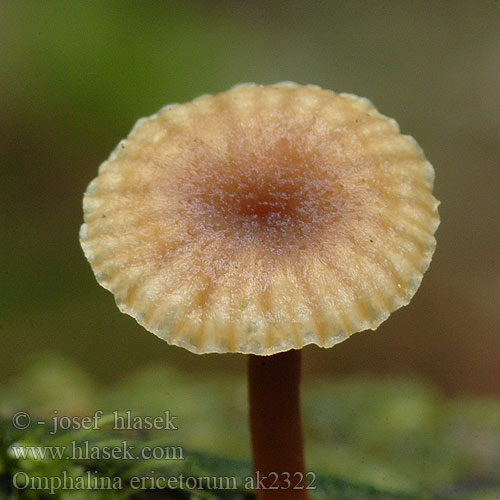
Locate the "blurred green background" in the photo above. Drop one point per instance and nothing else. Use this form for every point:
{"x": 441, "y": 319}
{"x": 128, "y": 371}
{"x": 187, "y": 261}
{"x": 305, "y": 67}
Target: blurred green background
{"x": 74, "y": 77}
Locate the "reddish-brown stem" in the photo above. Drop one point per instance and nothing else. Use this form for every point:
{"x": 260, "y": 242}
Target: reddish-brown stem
{"x": 275, "y": 425}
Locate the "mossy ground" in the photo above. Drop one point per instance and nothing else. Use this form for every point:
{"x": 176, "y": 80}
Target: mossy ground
{"x": 366, "y": 440}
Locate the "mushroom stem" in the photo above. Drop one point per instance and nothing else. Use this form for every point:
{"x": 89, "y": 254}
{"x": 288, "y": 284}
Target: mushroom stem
{"x": 275, "y": 425}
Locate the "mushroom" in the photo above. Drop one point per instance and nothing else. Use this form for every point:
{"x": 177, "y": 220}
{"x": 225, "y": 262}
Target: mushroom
{"x": 258, "y": 221}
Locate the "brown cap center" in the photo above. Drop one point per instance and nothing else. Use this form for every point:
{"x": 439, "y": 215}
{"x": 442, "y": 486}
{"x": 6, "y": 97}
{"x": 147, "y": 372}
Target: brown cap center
{"x": 274, "y": 206}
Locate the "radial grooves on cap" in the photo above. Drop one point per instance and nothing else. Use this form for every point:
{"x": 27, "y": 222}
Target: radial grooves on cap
{"x": 294, "y": 306}
{"x": 308, "y": 313}
{"x": 264, "y": 299}
{"x": 159, "y": 237}
{"x": 318, "y": 318}
{"x": 340, "y": 324}
{"x": 390, "y": 280}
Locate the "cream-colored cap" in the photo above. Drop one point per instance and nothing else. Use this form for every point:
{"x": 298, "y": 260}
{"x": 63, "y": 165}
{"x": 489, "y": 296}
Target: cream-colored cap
{"x": 262, "y": 219}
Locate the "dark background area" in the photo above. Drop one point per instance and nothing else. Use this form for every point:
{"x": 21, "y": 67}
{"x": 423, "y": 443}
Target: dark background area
{"x": 75, "y": 76}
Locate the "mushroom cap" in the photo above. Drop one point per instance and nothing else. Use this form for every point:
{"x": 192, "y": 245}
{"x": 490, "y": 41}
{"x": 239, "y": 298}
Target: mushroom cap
{"x": 262, "y": 219}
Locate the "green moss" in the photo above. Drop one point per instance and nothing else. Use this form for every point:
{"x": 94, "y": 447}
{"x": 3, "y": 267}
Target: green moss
{"x": 399, "y": 437}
